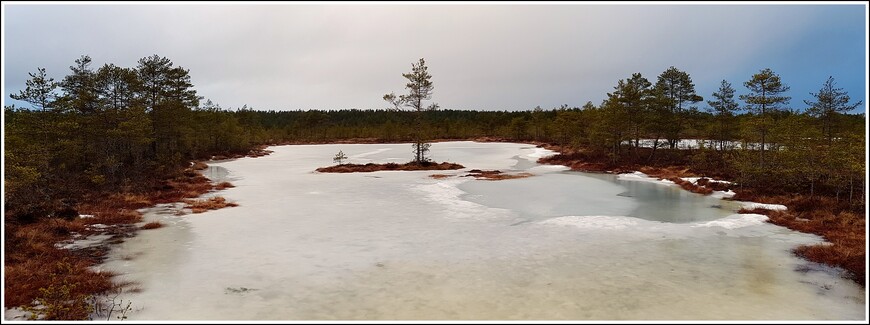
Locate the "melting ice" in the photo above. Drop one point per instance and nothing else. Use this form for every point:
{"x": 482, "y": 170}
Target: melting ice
{"x": 400, "y": 245}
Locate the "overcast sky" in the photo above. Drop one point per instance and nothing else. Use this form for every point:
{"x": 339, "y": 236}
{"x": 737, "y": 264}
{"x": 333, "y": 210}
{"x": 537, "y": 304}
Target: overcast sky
{"x": 486, "y": 57}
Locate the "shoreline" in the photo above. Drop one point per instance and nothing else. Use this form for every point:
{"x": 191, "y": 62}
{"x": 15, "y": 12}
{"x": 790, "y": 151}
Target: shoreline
{"x": 117, "y": 213}
{"x": 53, "y": 260}
{"x": 843, "y": 231}
{"x": 843, "y": 247}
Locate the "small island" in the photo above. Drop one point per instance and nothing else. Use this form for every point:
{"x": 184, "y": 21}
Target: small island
{"x": 372, "y": 167}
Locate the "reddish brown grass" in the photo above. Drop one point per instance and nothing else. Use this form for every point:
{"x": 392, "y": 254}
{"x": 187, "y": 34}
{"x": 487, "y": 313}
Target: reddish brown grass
{"x": 260, "y": 151}
{"x": 37, "y": 270}
{"x": 494, "y": 175}
{"x": 58, "y": 280}
{"x": 439, "y": 176}
{"x": 689, "y": 186}
{"x": 152, "y": 225}
{"x": 371, "y": 167}
{"x": 198, "y": 165}
{"x": 214, "y": 203}
{"x": 223, "y": 185}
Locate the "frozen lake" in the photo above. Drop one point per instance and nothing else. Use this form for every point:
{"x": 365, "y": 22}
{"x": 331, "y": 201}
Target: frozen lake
{"x": 393, "y": 245}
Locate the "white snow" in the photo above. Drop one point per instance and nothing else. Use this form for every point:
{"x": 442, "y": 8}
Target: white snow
{"x": 641, "y": 177}
{"x": 723, "y": 194}
{"x": 540, "y": 153}
{"x": 736, "y": 221}
{"x": 697, "y": 143}
{"x": 445, "y": 193}
{"x": 754, "y": 205}
{"x": 593, "y": 222}
{"x": 547, "y": 169}
{"x": 15, "y": 314}
{"x": 694, "y": 180}
{"x": 85, "y": 242}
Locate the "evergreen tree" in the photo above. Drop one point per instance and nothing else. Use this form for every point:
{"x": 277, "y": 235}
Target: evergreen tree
{"x": 764, "y": 98}
{"x": 830, "y": 103}
{"x": 723, "y": 107}
{"x": 419, "y": 89}
{"x": 39, "y": 91}
{"x": 339, "y": 157}
{"x": 676, "y": 89}
{"x": 632, "y": 96}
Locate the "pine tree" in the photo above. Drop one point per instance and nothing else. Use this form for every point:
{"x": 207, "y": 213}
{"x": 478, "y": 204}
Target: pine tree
{"x": 678, "y": 92}
{"x": 339, "y": 157}
{"x": 632, "y": 96}
{"x": 764, "y": 98}
{"x": 830, "y": 103}
{"x": 419, "y": 89}
{"x": 724, "y": 108}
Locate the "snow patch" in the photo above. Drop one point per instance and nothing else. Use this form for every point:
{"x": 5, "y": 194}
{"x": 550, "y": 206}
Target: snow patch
{"x": 723, "y": 194}
{"x": 540, "y": 153}
{"x": 592, "y": 222}
{"x": 754, "y": 205}
{"x": 694, "y": 180}
{"x": 86, "y": 242}
{"x": 641, "y": 177}
{"x": 447, "y": 193}
{"x": 736, "y": 221}
{"x": 548, "y": 168}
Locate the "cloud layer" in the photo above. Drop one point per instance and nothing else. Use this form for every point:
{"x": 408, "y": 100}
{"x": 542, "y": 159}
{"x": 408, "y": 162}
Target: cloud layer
{"x": 510, "y": 57}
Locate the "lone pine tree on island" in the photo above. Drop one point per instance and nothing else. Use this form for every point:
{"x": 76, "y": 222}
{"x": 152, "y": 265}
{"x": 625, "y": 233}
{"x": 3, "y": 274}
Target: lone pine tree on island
{"x": 419, "y": 89}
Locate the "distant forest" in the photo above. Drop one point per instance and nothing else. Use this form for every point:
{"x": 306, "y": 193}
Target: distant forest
{"x": 114, "y": 129}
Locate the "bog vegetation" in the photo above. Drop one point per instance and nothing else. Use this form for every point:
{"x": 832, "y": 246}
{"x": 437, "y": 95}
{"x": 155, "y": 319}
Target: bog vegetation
{"x": 132, "y": 130}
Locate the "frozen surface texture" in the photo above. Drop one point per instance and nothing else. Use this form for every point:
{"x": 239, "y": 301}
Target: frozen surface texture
{"x": 389, "y": 245}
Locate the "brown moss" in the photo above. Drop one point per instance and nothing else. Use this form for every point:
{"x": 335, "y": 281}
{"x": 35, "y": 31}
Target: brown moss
{"x": 152, "y": 225}
{"x": 494, "y": 175}
{"x": 214, "y": 203}
{"x": 689, "y": 186}
{"x": 223, "y": 185}
{"x": 58, "y": 280}
{"x": 371, "y": 167}
{"x": 198, "y": 165}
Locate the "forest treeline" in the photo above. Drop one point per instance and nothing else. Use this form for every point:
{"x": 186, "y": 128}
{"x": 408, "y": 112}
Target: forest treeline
{"x": 110, "y": 128}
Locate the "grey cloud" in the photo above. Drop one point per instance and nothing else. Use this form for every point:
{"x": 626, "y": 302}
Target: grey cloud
{"x": 344, "y": 56}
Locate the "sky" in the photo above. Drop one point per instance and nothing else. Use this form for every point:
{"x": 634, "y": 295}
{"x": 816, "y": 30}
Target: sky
{"x": 508, "y": 56}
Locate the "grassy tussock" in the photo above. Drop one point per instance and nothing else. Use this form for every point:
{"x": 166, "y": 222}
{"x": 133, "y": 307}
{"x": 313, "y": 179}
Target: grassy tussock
{"x": 494, "y": 175}
{"x": 371, "y": 167}
{"x": 198, "y": 165}
{"x": 691, "y": 187}
{"x": 152, "y": 225}
{"x": 181, "y": 187}
{"x": 60, "y": 282}
{"x": 214, "y": 203}
{"x": 223, "y": 185}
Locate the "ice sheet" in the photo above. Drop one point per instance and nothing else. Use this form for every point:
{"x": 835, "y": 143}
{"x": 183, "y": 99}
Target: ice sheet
{"x": 403, "y": 246}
